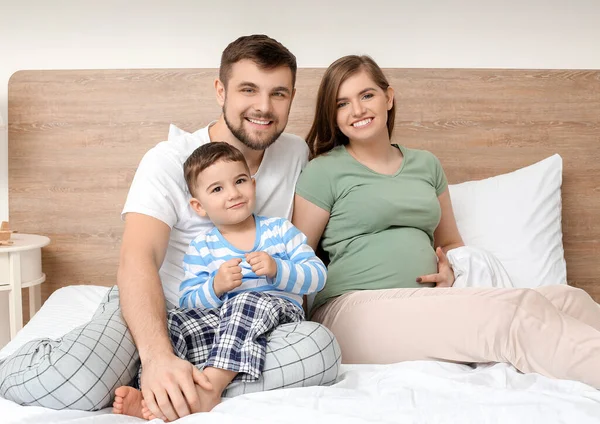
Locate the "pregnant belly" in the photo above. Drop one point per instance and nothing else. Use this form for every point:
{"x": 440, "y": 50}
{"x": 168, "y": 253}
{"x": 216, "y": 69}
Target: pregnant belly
{"x": 390, "y": 259}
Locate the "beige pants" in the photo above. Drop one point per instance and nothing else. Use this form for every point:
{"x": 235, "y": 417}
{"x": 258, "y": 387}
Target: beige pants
{"x": 551, "y": 330}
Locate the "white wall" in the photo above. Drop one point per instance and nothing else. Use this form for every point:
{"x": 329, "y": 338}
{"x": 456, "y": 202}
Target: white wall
{"x": 69, "y": 34}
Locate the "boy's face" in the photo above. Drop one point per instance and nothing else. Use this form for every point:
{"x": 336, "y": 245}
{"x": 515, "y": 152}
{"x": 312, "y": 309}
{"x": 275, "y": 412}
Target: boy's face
{"x": 225, "y": 193}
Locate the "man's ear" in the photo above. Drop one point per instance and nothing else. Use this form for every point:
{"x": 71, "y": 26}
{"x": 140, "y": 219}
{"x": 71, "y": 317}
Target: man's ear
{"x": 197, "y": 207}
{"x": 220, "y": 92}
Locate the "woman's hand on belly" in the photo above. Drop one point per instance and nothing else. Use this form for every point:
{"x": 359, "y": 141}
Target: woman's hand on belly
{"x": 445, "y": 275}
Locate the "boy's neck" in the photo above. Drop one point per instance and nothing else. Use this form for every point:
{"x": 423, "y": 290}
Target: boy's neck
{"x": 241, "y": 235}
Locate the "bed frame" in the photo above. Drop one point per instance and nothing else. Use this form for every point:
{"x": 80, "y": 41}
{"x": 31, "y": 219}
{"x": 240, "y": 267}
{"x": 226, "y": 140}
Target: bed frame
{"x": 76, "y": 137}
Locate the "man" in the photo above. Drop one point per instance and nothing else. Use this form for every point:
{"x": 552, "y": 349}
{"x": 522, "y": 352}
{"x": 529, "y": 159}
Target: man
{"x": 255, "y": 89}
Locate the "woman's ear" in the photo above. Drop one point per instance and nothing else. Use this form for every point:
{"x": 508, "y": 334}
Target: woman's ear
{"x": 390, "y": 97}
{"x": 197, "y": 207}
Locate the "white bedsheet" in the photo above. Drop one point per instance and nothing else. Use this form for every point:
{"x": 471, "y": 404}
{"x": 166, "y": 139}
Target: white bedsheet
{"x": 410, "y": 392}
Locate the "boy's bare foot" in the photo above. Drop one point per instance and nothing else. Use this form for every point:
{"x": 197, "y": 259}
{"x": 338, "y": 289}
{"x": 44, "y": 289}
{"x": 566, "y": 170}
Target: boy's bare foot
{"x": 210, "y": 395}
{"x": 146, "y": 414}
{"x": 208, "y": 398}
{"x": 128, "y": 401}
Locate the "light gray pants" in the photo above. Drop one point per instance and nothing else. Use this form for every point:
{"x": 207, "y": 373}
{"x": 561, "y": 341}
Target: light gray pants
{"x": 82, "y": 369}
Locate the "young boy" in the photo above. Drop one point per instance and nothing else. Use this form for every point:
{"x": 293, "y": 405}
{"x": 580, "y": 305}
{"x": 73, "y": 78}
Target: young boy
{"x": 243, "y": 278}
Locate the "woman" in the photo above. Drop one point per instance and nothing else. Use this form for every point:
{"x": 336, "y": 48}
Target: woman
{"x": 379, "y": 209}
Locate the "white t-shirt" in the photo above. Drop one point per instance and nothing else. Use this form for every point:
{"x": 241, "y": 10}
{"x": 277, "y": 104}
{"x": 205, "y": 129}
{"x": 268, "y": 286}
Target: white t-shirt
{"x": 159, "y": 190}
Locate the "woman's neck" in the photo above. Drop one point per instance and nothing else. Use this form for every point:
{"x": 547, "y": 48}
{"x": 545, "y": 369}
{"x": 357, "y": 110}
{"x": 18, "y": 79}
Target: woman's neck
{"x": 372, "y": 150}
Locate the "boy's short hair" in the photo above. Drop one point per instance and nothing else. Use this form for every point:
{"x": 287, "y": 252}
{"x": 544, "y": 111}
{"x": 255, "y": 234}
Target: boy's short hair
{"x": 206, "y": 155}
{"x": 263, "y": 50}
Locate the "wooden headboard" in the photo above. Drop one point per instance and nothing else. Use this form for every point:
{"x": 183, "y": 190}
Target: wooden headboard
{"x": 76, "y": 137}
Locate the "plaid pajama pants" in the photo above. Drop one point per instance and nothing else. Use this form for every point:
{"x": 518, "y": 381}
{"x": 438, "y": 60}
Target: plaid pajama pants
{"x": 82, "y": 369}
{"x": 233, "y": 337}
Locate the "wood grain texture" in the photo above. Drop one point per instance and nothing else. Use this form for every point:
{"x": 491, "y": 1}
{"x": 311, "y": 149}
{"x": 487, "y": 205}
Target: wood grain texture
{"x": 76, "y": 137}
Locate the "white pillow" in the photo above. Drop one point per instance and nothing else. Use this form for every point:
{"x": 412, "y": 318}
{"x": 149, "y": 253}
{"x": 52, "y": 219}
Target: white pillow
{"x": 67, "y": 308}
{"x": 175, "y": 131}
{"x": 517, "y": 218}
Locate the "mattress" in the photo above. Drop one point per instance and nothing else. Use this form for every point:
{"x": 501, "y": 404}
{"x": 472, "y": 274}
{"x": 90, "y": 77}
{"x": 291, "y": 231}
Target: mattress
{"x": 409, "y": 392}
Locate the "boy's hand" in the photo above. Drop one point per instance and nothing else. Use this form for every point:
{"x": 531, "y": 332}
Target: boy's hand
{"x": 262, "y": 264}
{"x": 229, "y": 277}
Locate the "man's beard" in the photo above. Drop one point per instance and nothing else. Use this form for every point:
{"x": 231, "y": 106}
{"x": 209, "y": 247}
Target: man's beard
{"x": 241, "y": 134}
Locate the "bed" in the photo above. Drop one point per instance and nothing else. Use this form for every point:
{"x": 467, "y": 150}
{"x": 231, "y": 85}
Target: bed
{"x": 75, "y": 138}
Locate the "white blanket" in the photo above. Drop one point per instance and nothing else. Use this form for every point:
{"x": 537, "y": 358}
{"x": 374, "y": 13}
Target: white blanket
{"x": 475, "y": 267}
{"x": 410, "y": 392}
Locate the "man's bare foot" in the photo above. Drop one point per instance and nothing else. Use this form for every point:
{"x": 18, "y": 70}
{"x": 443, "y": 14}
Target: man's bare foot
{"x": 128, "y": 401}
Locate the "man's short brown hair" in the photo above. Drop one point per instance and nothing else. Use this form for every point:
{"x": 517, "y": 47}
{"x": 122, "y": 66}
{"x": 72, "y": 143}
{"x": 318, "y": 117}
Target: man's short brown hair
{"x": 265, "y": 51}
{"x": 206, "y": 155}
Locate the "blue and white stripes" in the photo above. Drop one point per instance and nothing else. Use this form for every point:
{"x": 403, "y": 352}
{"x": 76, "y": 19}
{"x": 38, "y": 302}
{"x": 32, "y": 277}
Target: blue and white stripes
{"x": 299, "y": 270}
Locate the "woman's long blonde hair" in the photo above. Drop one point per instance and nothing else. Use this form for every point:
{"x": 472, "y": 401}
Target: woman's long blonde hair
{"x": 324, "y": 134}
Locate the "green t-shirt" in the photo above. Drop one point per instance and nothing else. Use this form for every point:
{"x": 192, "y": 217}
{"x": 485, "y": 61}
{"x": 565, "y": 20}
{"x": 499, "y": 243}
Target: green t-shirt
{"x": 380, "y": 230}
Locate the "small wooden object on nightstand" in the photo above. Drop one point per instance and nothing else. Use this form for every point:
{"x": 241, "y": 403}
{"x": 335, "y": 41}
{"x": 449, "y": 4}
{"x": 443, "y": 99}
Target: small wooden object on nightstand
{"x": 5, "y": 233}
{"x": 21, "y": 267}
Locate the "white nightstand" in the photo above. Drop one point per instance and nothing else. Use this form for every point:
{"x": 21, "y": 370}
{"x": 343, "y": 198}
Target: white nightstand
{"x": 21, "y": 267}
